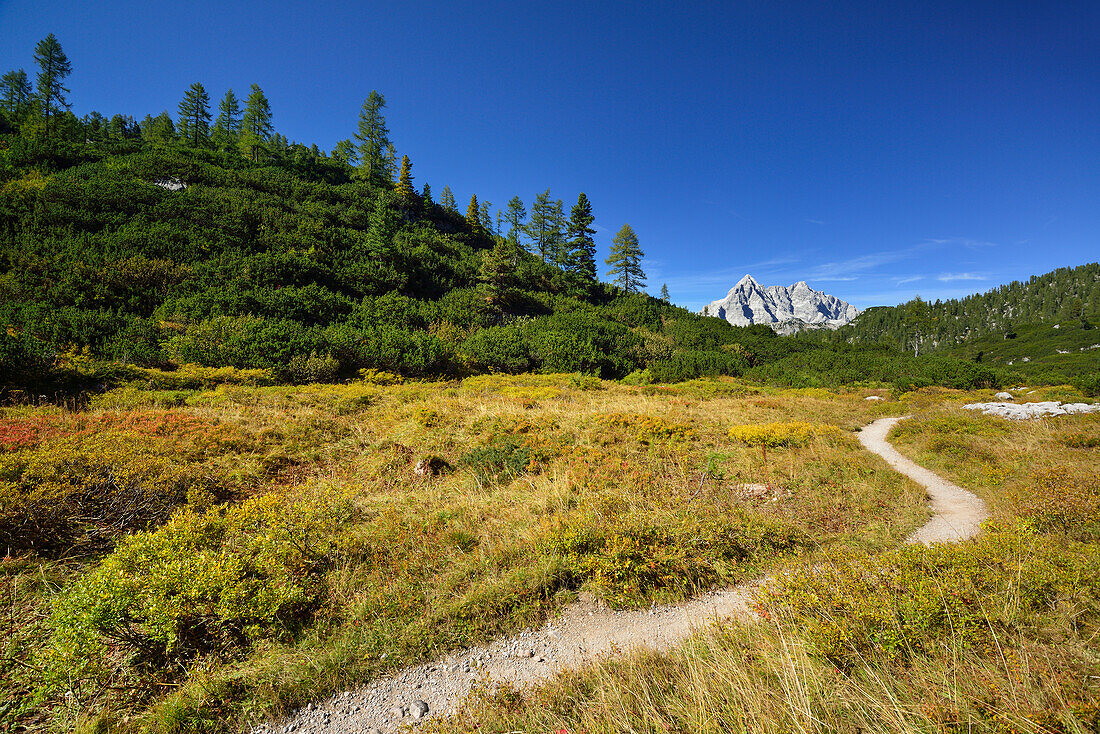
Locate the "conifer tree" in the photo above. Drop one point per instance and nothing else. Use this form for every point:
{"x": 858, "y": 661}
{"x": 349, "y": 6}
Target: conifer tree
{"x": 53, "y": 67}
{"x": 546, "y": 228}
{"x": 15, "y": 91}
{"x": 375, "y": 149}
{"x": 447, "y": 199}
{"x": 473, "y": 214}
{"x": 484, "y": 217}
{"x": 194, "y": 116}
{"x": 625, "y": 261}
{"x": 557, "y": 249}
{"x": 158, "y": 129}
{"x": 582, "y": 248}
{"x": 497, "y": 274}
{"x": 404, "y": 188}
{"x": 426, "y": 195}
{"x": 227, "y": 127}
{"x": 345, "y": 152}
{"x": 664, "y": 292}
{"x": 256, "y": 125}
{"x": 515, "y": 216}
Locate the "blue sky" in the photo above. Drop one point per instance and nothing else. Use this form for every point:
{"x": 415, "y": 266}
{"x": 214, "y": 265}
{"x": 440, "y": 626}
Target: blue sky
{"x": 877, "y": 150}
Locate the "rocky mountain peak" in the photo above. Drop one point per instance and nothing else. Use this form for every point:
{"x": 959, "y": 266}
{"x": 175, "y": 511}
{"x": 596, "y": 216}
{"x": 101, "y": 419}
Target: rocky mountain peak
{"x": 785, "y": 308}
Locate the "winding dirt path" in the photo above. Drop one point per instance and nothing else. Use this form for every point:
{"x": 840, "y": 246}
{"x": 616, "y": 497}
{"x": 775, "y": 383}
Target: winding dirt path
{"x": 958, "y": 513}
{"x": 584, "y": 631}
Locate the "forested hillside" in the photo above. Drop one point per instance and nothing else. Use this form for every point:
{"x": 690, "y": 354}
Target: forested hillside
{"x": 1042, "y": 328}
{"x": 215, "y": 241}
{"x": 1066, "y": 296}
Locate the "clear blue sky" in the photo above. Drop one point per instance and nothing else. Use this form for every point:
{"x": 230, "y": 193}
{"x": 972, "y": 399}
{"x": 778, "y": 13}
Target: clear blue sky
{"x": 874, "y": 149}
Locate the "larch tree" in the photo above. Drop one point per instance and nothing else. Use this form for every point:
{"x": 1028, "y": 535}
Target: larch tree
{"x": 375, "y": 149}
{"x": 447, "y": 199}
{"x": 484, "y": 217}
{"x": 515, "y": 216}
{"x": 546, "y": 228}
{"x": 15, "y": 91}
{"x": 256, "y": 127}
{"x": 227, "y": 126}
{"x": 404, "y": 188}
{"x": 473, "y": 213}
{"x": 582, "y": 247}
{"x": 625, "y": 261}
{"x": 53, "y": 67}
{"x": 194, "y": 116}
{"x": 159, "y": 129}
{"x": 345, "y": 152}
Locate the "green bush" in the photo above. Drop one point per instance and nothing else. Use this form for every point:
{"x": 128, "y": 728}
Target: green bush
{"x": 908, "y": 601}
{"x": 210, "y": 583}
{"x": 688, "y": 365}
{"x": 498, "y": 349}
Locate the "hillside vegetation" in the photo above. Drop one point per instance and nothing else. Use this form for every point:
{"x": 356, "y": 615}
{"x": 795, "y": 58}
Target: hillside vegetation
{"x": 248, "y": 549}
{"x": 997, "y": 634}
{"x": 164, "y": 243}
{"x": 1043, "y": 330}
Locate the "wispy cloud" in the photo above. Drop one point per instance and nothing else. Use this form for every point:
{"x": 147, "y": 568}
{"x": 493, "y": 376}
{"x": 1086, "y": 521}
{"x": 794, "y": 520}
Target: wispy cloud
{"x": 949, "y": 277}
{"x": 856, "y": 266}
{"x": 815, "y": 221}
{"x": 910, "y": 279}
{"x": 967, "y": 242}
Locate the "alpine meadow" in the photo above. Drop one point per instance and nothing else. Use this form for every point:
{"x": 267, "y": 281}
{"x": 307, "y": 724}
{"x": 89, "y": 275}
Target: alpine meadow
{"x": 293, "y": 441}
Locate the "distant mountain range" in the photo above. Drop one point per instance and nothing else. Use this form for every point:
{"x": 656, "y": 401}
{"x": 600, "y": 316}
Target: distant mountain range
{"x": 785, "y": 309}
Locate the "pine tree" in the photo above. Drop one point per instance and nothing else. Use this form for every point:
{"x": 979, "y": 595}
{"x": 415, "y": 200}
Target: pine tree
{"x": 473, "y": 214}
{"x": 194, "y": 116}
{"x": 664, "y": 292}
{"x": 256, "y": 127}
{"x": 15, "y": 91}
{"x": 404, "y": 188}
{"x": 625, "y": 261}
{"x": 227, "y": 128}
{"x": 582, "y": 248}
{"x": 447, "y": 200}
{"x": 426, "y": 194}
{"x": 515, "y": 216}
{"x": 374, "y": 142}
{"x": 53, "y": 67}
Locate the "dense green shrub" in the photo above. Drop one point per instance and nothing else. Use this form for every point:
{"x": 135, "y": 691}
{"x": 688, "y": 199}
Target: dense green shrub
{"x": 687, "y": 365}
{"x": 498, "y": 349}
{"x": 210, "y": 583}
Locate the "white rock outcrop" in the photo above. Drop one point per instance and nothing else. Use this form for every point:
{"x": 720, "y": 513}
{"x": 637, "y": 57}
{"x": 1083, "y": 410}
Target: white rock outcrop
{"x": 784, "y": 308}
{"x": 1026, "y": 411}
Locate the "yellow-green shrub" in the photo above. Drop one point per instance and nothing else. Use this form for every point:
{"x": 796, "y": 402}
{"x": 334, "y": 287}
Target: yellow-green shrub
{"x": 193, "y": 376}
{"x": 372, "y": 376}
{"x": 624, "y": 560}
{"x": 646, "y": 428}
{"x": 1061, "y": 499}
{"x": 213, "y": 582}
{"x": 906, "y": 601}
{"x": 88, "y": 478}
{"x": 797, "y": 433}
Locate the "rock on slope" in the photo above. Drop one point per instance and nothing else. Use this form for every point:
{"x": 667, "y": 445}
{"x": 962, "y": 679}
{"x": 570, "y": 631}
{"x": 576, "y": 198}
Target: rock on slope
{"x": 788, "y": 309}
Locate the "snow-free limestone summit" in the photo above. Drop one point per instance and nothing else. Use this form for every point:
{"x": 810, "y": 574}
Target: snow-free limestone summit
{"x": 785, "y": 309}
